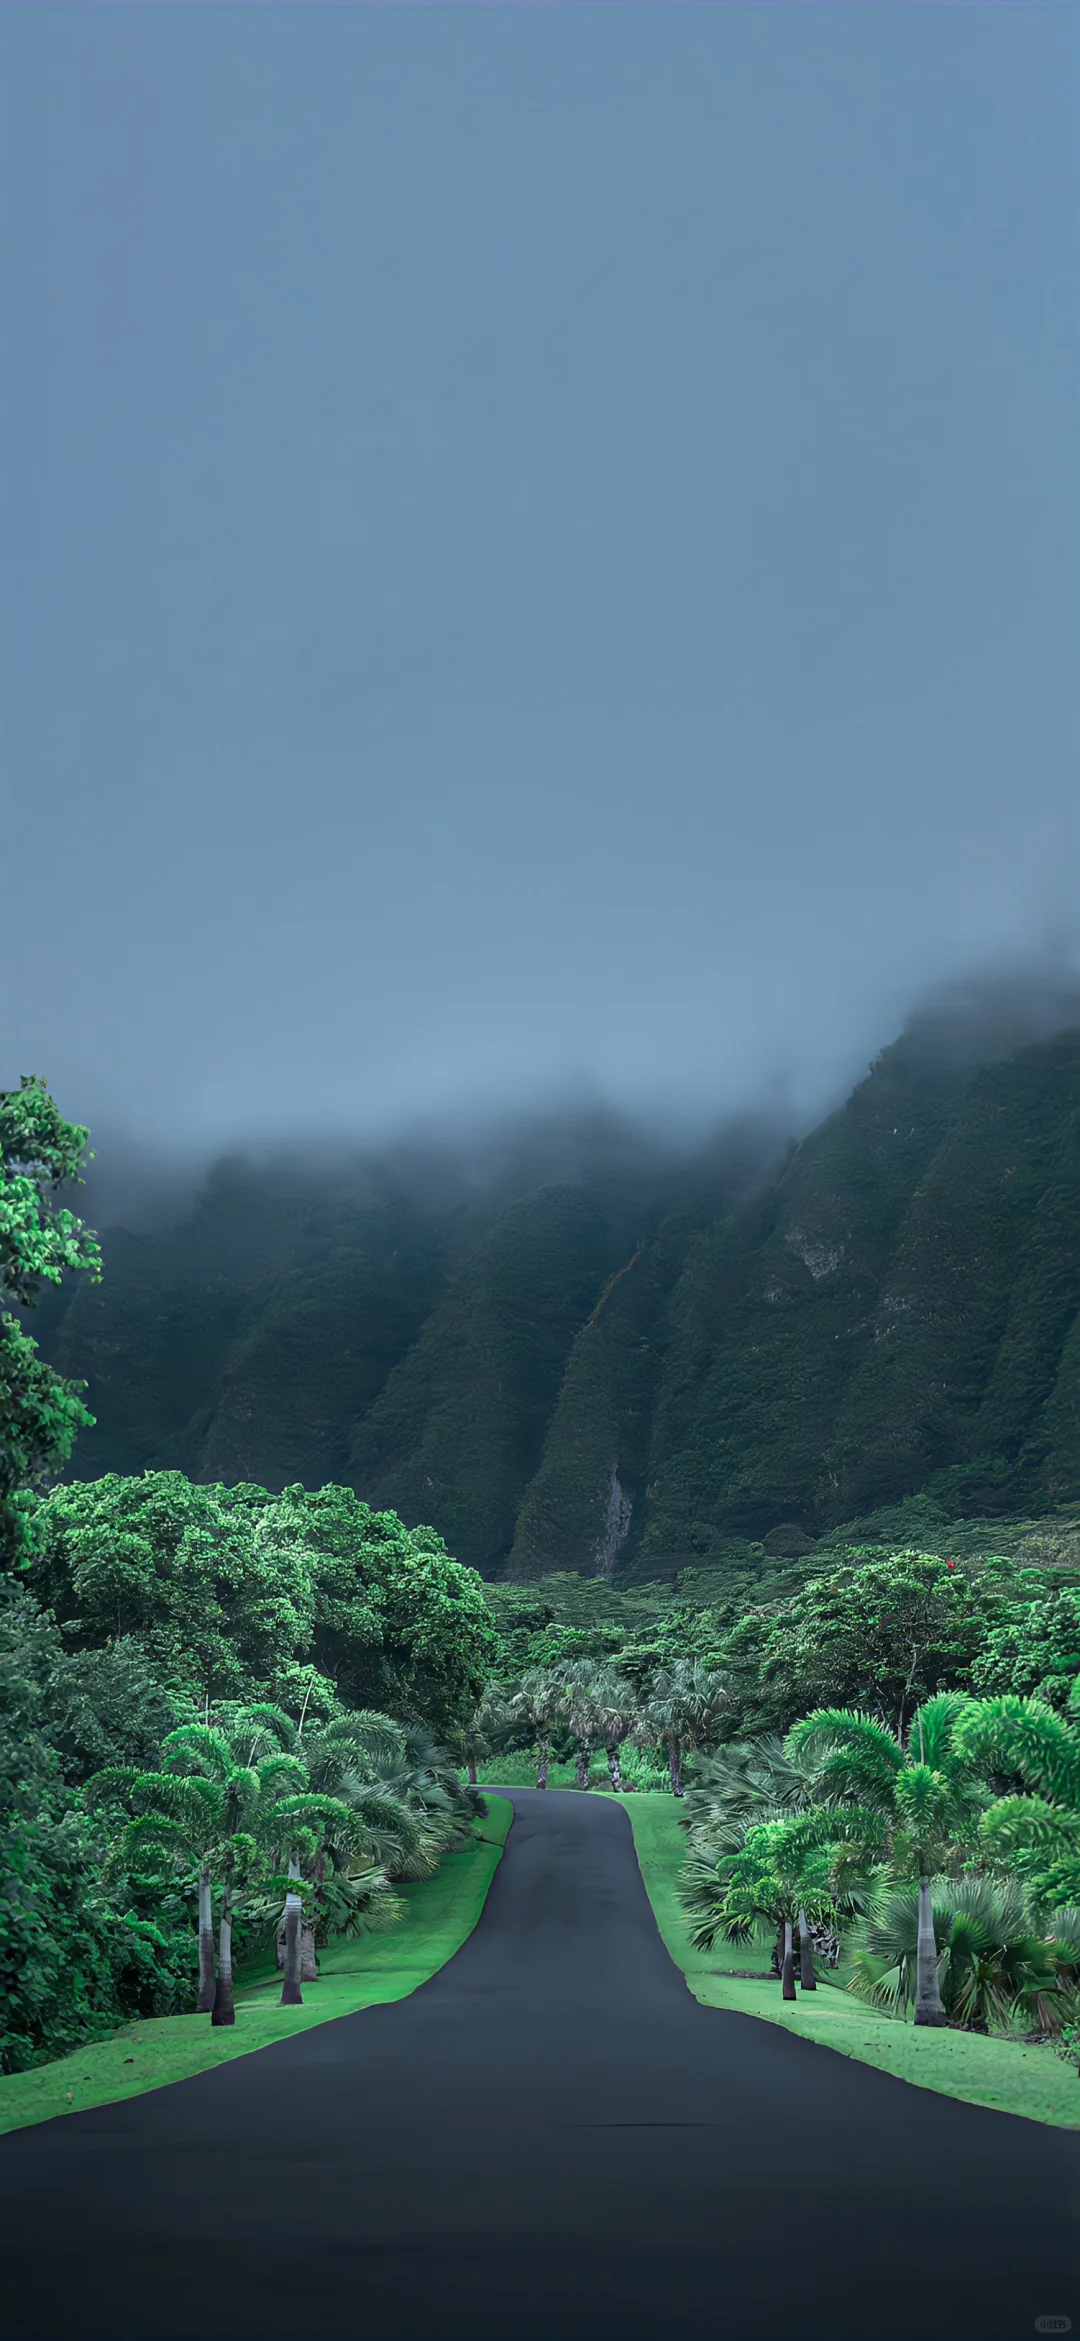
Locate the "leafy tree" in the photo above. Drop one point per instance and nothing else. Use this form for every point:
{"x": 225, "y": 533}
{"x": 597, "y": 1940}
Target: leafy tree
{"x": 424, "y": 1778}
{"x": 215, "y": 1598}
{"x": 109, "y": 1706}
{"x": 1034, "y": 1650}
{"x": 679, "y": 1632}
{"x": 683, "y": 1704}
{"x": 369, "y": 1829}
{"x": 880, "y": 1636}
{"x": 740, "y": 1784}
{"x": 230, "y": 1590}
{"x": 40, "y": 1414}
{"x": 1023, "y": 1744}
{"x": 397, "y": 1623}
{"x": 739, "y": 1788}
{"x": 1025, "y": 1738}
{"x": 77, "y": 1955}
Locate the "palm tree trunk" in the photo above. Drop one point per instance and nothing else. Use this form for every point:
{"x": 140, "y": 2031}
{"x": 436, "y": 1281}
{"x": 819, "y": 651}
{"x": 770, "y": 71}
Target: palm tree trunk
{"x": 472, "y": 1773}
{"x": 788, "y": 1969}
{"x": 542, "y": 1765}
{"x": 807, "y": 1977}
{"x": 778, "y": 1951}
{"x": 581, "y": 1767}
{"x": 614, "y": 1765}
{"x": 224, "y": 2011}
{"x": 928, "y": 2007}
{"x": 674, "y": 1765}
{"x": 207, "y": 1979}
{"x": 320, "y": 1881}
{"x": 291, "y": 1994}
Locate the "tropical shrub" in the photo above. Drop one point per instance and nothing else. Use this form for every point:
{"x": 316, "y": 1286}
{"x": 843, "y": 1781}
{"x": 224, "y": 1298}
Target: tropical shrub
{"x": 993, "y": 1956}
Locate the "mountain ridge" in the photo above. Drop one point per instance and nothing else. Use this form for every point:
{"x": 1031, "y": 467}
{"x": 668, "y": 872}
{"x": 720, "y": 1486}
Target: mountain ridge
{"x": 621, "y": 1360}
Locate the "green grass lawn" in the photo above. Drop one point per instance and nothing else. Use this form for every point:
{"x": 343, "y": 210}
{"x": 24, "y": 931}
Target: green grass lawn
{"x": 362, "y": 1973}
{"x": 1010, "y": 2076}
{"x": 518, "y": 1770}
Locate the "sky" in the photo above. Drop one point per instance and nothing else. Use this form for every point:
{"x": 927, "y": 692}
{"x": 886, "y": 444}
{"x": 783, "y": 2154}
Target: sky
{"x": 539, "y": 550}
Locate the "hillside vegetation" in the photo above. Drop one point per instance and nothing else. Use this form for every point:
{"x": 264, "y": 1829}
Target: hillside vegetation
{"x": 613, "y": 1362}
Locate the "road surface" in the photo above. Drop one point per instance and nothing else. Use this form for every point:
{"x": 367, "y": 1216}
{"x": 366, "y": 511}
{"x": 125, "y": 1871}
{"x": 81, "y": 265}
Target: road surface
{"x": 550, "y": 2141}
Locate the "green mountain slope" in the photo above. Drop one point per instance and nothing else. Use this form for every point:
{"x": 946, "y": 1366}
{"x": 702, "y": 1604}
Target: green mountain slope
{"x": 898, "y": 1303}
{"x": 458, "y": 1429}
{"x": 593, "y": 1356}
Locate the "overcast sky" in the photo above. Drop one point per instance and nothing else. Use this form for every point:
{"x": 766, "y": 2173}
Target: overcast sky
{"x": 539, "y": 545}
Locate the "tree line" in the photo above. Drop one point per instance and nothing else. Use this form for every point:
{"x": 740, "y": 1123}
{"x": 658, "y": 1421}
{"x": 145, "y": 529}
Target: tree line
{"x": 879, "y": 1774}
{"x": 229, "y": 1716}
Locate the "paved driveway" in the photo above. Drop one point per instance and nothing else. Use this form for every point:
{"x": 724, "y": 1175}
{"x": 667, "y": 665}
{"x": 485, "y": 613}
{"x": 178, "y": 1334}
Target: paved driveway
{"x": 550, "y": 2141}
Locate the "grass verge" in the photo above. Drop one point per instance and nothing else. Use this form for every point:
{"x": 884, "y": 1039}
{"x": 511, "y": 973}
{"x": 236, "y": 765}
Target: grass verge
{"x": 440, "y": 1914}
{"x": 1009, "y": 2076}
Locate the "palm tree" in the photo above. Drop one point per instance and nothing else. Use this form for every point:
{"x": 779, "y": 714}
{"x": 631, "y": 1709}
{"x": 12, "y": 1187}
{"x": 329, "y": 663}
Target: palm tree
{"x": 379, "y": 1826}
{"x": 206, "y": 1809}
{"x": 580, "y": 1679}
{"x": 995, "y": 1956}
{"x": 925, "y": 1794}
{"x": 271, "y": 1795}
{"x": 746, "y": 1781}
{"x": 472, "y": 1741}
{"x": 683, "y": 1703}
{"x": 540, "y": 1702}
{"x": 764, "y": 1884}
{"x": 1028, "y": 1738}
{"x": 181, "y": 1820}
{"x": 425, "y": 1786}
{"x": 615, "y": 1713}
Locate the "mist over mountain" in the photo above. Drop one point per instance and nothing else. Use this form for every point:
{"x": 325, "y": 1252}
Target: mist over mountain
{"x": 567, "y": 1343}
{"x": 539, "y": 613}
{"x": 578, "y": 594}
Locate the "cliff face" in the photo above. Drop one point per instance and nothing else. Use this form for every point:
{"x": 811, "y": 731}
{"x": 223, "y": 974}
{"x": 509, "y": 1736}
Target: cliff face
{"x": 622, "y": 1363}
{"x": 901, "y": 1302}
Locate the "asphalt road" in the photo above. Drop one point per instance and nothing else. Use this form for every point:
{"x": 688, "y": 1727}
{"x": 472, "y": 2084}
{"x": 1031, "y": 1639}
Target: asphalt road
{"x": 550, "y": 2141}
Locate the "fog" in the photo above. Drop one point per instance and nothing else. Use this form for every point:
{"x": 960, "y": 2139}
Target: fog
{"x": 539, "y": 571}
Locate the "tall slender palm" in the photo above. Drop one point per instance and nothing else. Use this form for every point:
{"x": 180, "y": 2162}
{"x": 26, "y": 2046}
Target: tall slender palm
{"x": 926, "y": 1794}
{"x": 769, "y": 1881}
{"x": 540, "y": 1702}
{"x": 996, "y": 1953}
{"x": 615, "y": 1713}
{"x": 581, "y": 1679}
{"x": 683, "y": 1703}
{"x": 206, "y": 1809}
{"x": 359, "y": 1761}
{"x": 181, "y": 1822}
{"x": 739, "y": 1787}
